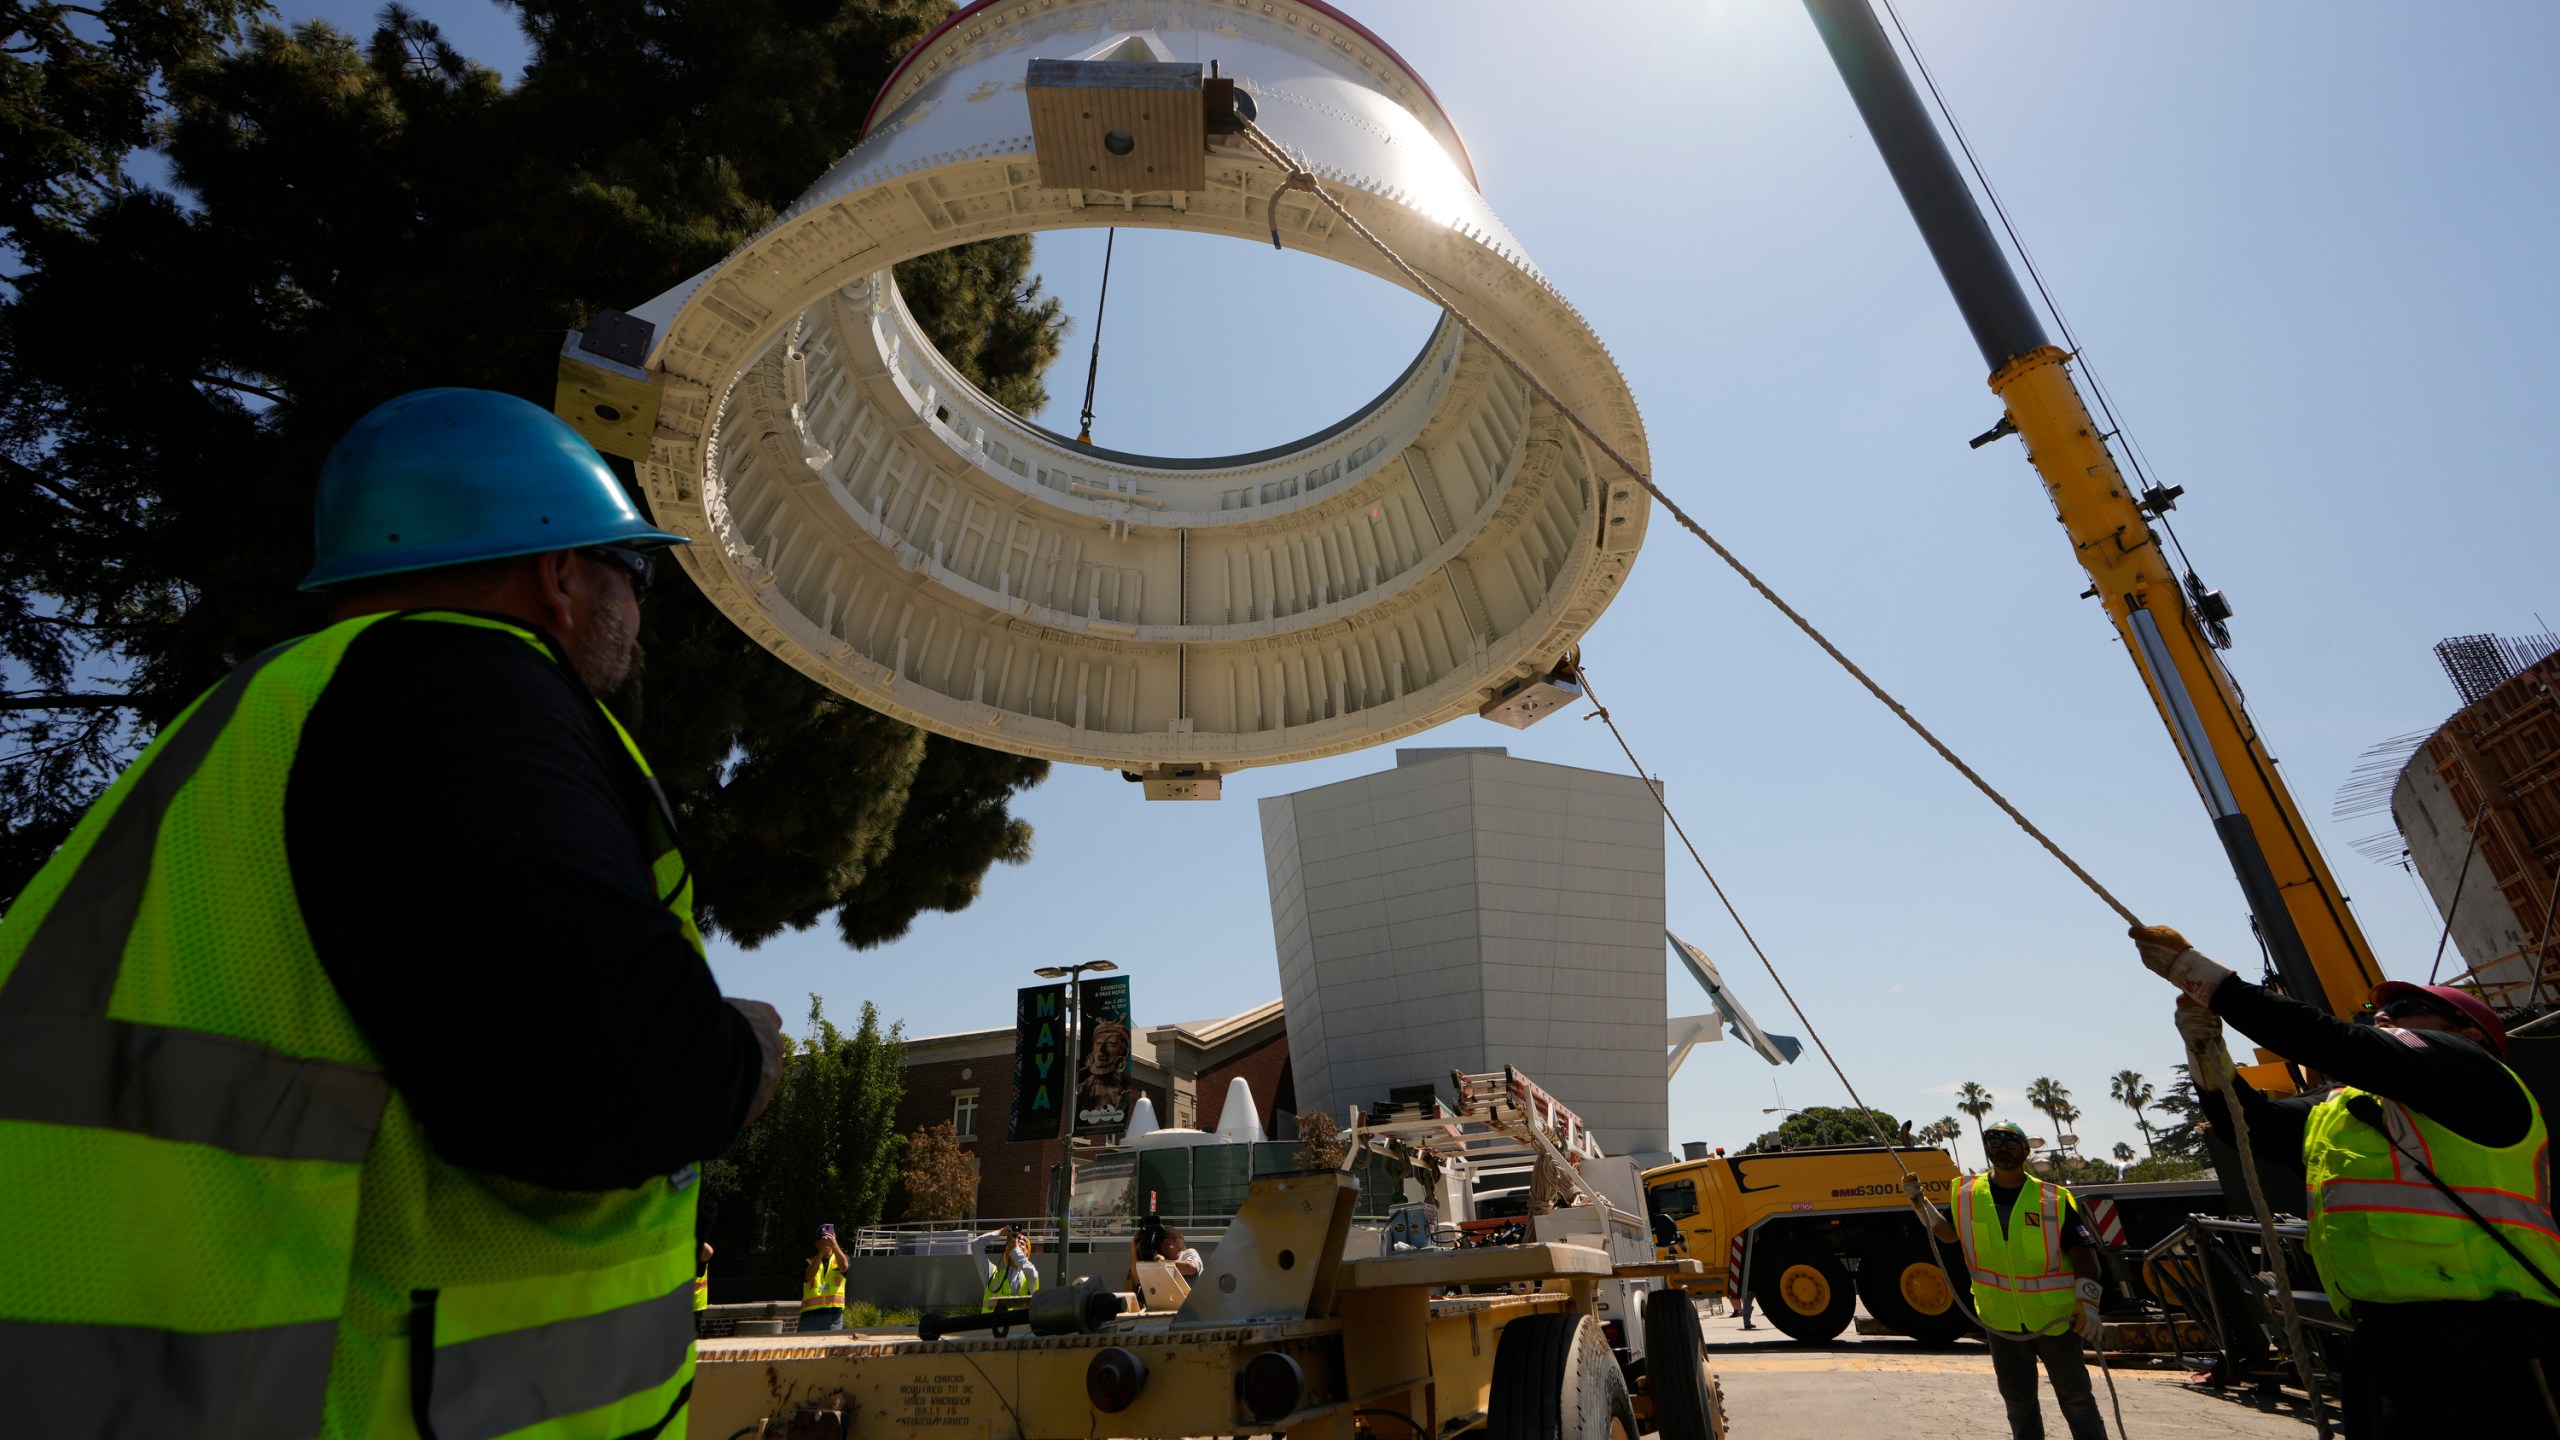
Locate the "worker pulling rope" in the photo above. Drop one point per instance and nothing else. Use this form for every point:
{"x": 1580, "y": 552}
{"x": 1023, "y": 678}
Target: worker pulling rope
{"x": 1299, "y": 177}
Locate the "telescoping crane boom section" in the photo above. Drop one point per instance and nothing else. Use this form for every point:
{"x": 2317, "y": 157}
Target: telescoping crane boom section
{"x": 2317, "y": 948}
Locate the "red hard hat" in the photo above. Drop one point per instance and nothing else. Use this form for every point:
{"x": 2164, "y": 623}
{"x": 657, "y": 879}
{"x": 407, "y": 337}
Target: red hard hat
{"x": 2470, "y": 1006}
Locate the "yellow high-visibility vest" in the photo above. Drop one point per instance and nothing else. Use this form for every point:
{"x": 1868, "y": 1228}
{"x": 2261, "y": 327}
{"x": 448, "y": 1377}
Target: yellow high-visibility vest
{"x": 1006, "y": 1282}
{"x": 174, "y": 1061}
{"x": 2380, "y": 1231}
{"x": 826, "y": 1291}
{"x": 2022, "y": 1282}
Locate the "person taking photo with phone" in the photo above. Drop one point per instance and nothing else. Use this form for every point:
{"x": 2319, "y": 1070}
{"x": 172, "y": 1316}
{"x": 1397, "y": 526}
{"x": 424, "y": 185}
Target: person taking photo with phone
{"x": 822, "y": 1285}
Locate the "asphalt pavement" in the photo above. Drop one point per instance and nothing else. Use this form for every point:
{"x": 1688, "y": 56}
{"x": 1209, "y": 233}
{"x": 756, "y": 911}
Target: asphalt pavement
{"x": 1776, "y": 1389}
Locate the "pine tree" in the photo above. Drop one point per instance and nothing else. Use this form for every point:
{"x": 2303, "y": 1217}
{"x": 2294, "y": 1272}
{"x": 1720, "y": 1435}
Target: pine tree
{"x": 350, "y": 220}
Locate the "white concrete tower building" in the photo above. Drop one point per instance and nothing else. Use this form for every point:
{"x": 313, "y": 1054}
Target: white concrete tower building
{"x": 1467, "y": 910}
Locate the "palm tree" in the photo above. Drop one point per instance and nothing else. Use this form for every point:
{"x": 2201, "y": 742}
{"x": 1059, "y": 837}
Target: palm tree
{"x": 2048, "y": 1095}
{"x": 1975, "y": 1101}
{"x": 2124, "y": 1153}
{"x": 2134, "y": 1093}
{"x": 1940, "y": 1131}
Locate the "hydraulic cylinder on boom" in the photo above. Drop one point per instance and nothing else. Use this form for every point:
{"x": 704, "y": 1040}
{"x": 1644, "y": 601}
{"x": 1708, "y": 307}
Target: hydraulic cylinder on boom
{"x": 2170, "y": 623}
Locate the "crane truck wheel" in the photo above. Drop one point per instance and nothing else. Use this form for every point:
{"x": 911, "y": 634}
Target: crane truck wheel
{"x": 1804, "y": 1290}
{"x": 1906, "y": 1288}
{"x": 1688, "y": 1402}
{"x": 1554, "y": 1379}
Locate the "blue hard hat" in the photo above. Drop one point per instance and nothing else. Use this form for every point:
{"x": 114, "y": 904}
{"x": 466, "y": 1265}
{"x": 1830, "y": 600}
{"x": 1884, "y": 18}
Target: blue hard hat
{"x": 446, "y": 477}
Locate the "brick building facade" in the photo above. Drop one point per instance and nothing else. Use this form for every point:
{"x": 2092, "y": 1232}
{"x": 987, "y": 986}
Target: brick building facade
{"x": 1184, "y": 1069}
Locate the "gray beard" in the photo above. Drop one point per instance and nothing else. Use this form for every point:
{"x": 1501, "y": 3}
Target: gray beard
{"x": 610, "y": 660}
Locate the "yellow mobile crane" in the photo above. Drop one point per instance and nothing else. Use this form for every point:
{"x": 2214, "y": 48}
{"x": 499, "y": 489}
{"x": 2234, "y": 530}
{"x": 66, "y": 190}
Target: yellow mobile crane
{"x": 2172, "y": 624}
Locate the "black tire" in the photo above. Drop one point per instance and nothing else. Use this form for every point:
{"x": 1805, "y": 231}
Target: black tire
{"x": 1688, "y": 1402}
{"x": 1554, "y": 1379}
{"x": 1803, "y": 1289}
{"x": 1905, "y": 1287}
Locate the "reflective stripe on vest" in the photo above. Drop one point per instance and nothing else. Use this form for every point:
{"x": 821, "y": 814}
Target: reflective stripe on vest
{"x": 702, "y": 1290}
{"x": 2022, "y": 1282}
{"x": 173, "y": 1060}
{"x": 508, "y": 1382}
{"x": 251, "y": 1145}
{"x": 2382, "y": 1232}
{"x": 1004, "y": 1280}
{"x": 826, "y": 1292}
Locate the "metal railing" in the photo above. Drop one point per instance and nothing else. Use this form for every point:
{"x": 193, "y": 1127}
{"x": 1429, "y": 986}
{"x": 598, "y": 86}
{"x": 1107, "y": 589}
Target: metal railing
{"x": 1091, "y": 1233}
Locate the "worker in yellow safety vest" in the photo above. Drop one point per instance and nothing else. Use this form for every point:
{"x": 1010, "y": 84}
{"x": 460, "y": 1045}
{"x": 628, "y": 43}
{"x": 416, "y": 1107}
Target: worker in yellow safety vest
{"x": 701, "y": 1284}
{"x": 2035, "y": 1281}
{"x": 822, "y": 1285}
{"x": 2429, "y": 1173}
{"x": 289, "y": 999}
{"x": 1010, "y": 1274}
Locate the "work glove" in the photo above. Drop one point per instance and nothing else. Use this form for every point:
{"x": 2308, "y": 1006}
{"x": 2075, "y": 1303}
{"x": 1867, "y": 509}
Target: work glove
{"x": 2208, "y": 1058}
{"x": 2167, "y": 954}
{"x": 2199, "y": 1027}
{"x": 1920, "y": 1204}
{"x": 2090, "y": 1327}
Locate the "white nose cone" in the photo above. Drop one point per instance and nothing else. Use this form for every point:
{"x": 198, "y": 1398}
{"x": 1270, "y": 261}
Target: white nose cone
{"x": 1142, "y": 1118}
{"x": 1238, "y": 1120}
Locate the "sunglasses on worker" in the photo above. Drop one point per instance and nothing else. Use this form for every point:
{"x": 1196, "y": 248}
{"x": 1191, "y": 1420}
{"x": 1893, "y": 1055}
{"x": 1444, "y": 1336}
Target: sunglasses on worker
{"x": 2003, "y": 1137}
{"x": 634, "y": 563}
{"x": 2408, "y": 1005}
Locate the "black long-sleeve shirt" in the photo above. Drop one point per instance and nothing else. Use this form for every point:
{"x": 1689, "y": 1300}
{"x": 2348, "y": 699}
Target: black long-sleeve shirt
{"x": 466, "y": 835}
{"x": 2442, "y": 1076}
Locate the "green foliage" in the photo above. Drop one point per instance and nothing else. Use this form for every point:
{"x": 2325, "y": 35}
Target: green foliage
{"x": 826, "y": 1151}
{"x": 2167, "y": 1167}
{"x": 1940, "y": 1131}
{"x": 2129, "y": 1089}
{"x": 2050, "y": 1096}
{"x": 76, "y": 96}
{"x": 2182, "y": 1142}
{"x": 353, "y": 220}
{"x": 1826, "y": 1125}
{"x": 983, "y": 306}
{"x": 863, "y": 1315}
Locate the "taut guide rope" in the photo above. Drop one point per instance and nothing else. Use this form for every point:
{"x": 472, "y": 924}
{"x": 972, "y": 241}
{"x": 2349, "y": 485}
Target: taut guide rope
{"x": 1298, "y": 177}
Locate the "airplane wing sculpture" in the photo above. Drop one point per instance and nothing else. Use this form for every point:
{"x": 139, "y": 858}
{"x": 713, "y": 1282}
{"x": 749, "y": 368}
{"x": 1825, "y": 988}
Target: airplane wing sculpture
{"x": 1687, "y": 1032}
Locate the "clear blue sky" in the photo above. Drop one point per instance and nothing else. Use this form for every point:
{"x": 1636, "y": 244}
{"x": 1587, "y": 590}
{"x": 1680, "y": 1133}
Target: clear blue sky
{"x": 2307, "y": 246}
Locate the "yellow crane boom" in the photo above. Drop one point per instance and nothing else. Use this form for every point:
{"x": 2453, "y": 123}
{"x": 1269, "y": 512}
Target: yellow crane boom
{"x": 2168, "y": 621}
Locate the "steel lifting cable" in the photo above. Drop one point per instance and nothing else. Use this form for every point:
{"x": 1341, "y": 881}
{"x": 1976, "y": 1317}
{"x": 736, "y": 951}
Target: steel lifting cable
{"x": 1298, "y": 177}
{"x": 1600, "y": 712}
{"x": 1093, "y": 363}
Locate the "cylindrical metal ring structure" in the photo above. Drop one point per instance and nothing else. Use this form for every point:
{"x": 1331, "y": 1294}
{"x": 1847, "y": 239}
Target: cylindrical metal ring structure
{"x": 868, "y": 515}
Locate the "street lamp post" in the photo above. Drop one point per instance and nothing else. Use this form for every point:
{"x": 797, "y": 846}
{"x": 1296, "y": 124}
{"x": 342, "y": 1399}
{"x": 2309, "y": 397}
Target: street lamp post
{"x": 1781, "y": 1131}
{"x": 1070, "y": 1069}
